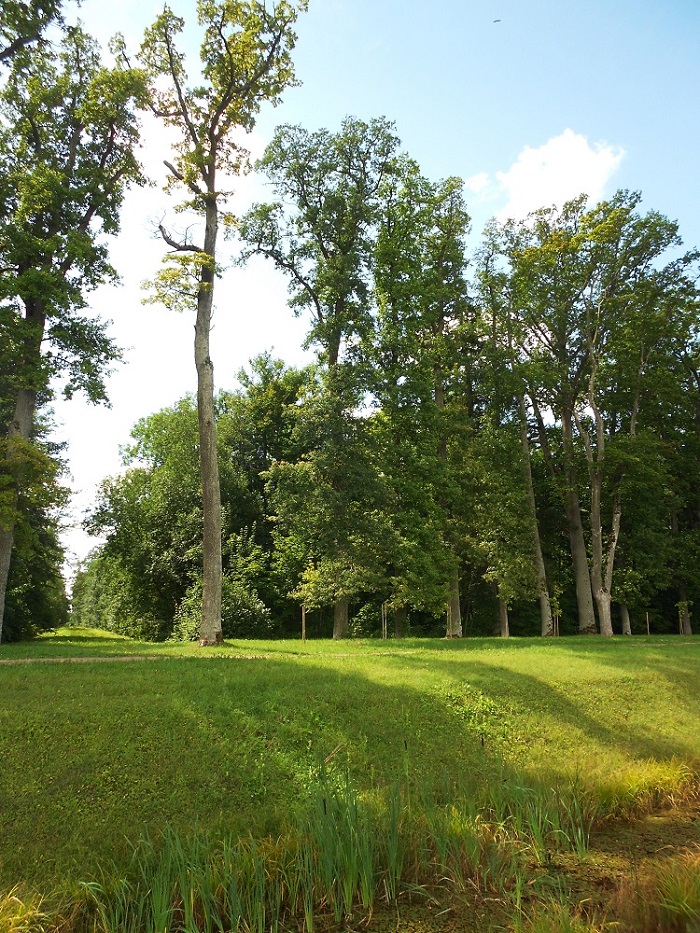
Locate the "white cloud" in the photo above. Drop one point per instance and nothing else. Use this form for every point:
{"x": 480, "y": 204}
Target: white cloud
{"x": 564, "y": 167}
{"x": 478, "y": 183}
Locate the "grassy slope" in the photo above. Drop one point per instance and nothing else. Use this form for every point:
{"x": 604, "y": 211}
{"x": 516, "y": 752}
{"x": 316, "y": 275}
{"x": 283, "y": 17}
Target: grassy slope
{"x": 93, "y": 754}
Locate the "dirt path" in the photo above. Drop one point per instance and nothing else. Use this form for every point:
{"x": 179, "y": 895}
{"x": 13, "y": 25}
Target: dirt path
{"x": 84, "y": 660}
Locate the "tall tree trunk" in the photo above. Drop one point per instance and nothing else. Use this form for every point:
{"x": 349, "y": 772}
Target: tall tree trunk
{"x": 684, "y": 612}
{"x": 602, "y": 558}
{"x": 21, "y": 427}
{"x": 7, "y": 537}
{"x": 625, "y": 616}
{"x": 400, "y": 621}
{"x": 503, "y": 618}
{"x": 454, "y": 611}
{"x": 547, "y": 623}
{"x": 579, "y": 557}
{"x": 601, "y": 576}
{"x": 210, "y": 632}
{"x": 340, "y": 618}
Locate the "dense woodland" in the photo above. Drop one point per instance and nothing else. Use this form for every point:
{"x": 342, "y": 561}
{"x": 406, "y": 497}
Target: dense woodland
{"x": 493, "y": 441}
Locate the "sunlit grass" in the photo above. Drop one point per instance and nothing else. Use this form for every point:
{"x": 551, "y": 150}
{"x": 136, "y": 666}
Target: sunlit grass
{"x": 537, "y": 740}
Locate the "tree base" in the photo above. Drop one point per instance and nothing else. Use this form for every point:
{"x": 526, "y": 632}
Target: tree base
{"x": 208, "y": 643}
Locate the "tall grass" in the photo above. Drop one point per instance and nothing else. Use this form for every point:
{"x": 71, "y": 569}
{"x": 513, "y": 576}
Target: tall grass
{"x": 20, "y": 912}
{"x": 667, "y": 901}
{"x": 347, "y": 853}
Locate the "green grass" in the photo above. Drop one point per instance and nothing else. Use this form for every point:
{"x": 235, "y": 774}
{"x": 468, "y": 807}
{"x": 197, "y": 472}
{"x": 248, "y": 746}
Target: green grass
{"x": 232, "y": 740}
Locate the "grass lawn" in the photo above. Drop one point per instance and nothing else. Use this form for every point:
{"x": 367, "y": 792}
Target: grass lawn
{"x": 94, "y": 755}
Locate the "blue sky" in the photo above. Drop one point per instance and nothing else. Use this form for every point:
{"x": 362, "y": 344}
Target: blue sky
{"x": 556, "y": 98}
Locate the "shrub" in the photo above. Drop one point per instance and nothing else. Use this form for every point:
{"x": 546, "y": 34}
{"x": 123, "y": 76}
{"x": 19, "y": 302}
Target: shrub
{"x": 243, "y": 614}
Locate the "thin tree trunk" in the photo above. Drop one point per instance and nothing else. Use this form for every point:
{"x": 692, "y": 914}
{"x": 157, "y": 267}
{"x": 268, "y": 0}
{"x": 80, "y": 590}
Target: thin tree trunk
{"x": 547, "y": 625}
{"x": 340, "y": 618}
{"x": 7, "y": 536}
{"x": 584, "y": 595}
{"x": 684, "y": 612}
{"x": 602, "y": 560}
{"x": 210, "y": 632}
{"x": 454, "y": 613}
{"x": 503, "y": 618}
{"x": 20, "y": 427}
{"x": 400, "y": 621}
{"x": 605, "y": 592}
{"x": 625, "y": 616}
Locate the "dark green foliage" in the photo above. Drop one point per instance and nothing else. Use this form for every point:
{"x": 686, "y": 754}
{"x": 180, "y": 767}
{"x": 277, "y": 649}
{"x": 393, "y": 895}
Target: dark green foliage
{"x": 23, "y": 23}
{"x": 67, "y": 138}
{"x": 68, "y": 130}
{"x": 243, "y": 614}
{"x": 399, "y": 458}
{"x": 151, "y": 515}
{"x": 36, "y": 595}
{"x": 36, "y": 598}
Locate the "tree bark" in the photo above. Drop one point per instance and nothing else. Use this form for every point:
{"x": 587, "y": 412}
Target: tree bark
{"x": 625, "y": 616}
{"x": 7, "y": 537}
{"x": 579, "y": 557}
{"x": 210, "y": 631}
{"x": 21, "y": 426}
{"x": 684, "y": 612}
{"x": 454, "y": 611}
{"x": 400, "y": 621}
{"x": 503, "y": 618}
{"x": 547, "y": 623}
{"x": 340, "y": 618}
{"x": 602, "y": 559}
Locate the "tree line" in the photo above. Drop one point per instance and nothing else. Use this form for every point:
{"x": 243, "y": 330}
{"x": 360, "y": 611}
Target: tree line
{"x": 498, "y": 442}
{"x": 503, "y": 444}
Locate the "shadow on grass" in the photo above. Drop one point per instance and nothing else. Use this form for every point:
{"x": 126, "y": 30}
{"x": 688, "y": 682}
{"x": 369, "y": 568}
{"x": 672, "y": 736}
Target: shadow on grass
{"x": 94, "y": 756}
{"x": 616, "y": 713}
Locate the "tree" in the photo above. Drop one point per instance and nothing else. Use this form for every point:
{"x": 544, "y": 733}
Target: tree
{"x": 67, "y": 139}
{"x": 150, "y": 515}
{"x": 507, "y": 396}
{"x": 23, "y": 23}
{"x": 422, "y": 356}
{"x": 245, "y": 61}
{"x": 594, "y": 303}
{"x": 321, "y": 235}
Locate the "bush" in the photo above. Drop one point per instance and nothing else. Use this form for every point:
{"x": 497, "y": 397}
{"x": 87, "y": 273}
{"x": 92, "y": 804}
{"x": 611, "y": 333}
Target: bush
{"x": 243, "y": 614}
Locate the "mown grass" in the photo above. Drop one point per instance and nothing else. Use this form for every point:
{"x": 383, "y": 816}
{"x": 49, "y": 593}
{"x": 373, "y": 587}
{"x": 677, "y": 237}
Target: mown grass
{"x": 231, "y": 742}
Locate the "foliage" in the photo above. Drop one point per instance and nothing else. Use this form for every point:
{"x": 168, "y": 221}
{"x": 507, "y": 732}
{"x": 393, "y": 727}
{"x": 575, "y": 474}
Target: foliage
{"x": 23, "y": 23}
{"x": 151, "y": 514}
{"x": 243, "y": 614}
{"x": 68, "y": 134}
{"x": 68, "y": 130}
{"x": 245, "y": 57}
{"x": 592, "y": 304}
{"x": 321, "y": 231}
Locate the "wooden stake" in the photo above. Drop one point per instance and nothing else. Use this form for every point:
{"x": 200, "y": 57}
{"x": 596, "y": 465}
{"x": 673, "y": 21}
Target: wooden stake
{"x": 303, "y": 623}
{"x": 648, "y": 632}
